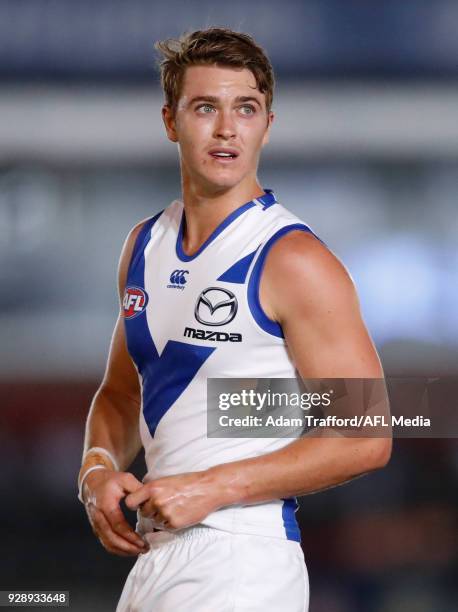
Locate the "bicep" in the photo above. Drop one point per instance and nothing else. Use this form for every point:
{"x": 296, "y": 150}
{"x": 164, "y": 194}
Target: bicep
{"x": 333, "y": 343}
{"x": 315, "y": 301}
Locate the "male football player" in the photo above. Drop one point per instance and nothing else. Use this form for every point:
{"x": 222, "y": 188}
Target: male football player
{"x": 223, "y": 283}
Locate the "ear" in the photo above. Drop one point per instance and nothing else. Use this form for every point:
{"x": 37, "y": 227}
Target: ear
{"x": 270, "y": 120}
{"x": 168, "y": 118}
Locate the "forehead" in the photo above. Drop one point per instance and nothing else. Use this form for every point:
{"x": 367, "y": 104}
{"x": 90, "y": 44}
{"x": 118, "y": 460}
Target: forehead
{"x": 219, "y": 81}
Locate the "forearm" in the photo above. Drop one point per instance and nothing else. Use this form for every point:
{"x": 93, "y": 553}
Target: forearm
{"x": 112, "y": 427}
{"x": 307, "y": 465}
{"x": 112, "y": 424}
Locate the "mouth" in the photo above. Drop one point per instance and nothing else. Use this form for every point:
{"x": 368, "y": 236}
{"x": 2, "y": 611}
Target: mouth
{"x": 224, "y": 155}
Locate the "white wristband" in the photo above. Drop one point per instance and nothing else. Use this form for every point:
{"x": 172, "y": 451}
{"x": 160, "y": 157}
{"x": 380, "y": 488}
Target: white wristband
{"x": 102, "y": 451}
{"x": 99, "y": 466}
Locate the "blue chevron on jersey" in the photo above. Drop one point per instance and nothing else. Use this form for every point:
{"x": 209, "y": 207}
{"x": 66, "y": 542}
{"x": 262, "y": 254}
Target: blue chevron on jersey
{"x": 166, "y": 378}
{"x": 237, "y": 272}
{"x": 163, "y": 381}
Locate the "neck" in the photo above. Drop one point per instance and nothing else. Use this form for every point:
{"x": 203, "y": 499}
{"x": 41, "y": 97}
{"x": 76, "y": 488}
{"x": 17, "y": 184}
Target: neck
{"x": 205, "y": 210}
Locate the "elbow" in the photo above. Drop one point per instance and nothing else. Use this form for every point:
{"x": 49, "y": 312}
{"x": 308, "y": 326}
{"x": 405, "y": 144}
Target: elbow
{"x": 377, "y": 453}
{"x": 384, "y": 454}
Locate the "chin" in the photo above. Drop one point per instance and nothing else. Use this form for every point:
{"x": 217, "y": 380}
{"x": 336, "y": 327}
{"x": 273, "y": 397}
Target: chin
{"x": 222, "y": 182}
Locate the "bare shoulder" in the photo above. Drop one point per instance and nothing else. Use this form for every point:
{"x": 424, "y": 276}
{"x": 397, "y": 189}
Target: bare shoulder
{"x": 301, "y": 272}
{"x": 310, "y": 293}
{"x": 126, "y": 254}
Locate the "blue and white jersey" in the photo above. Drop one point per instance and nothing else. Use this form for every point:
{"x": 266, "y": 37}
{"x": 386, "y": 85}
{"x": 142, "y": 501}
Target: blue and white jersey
{"x": 189, "y": 318}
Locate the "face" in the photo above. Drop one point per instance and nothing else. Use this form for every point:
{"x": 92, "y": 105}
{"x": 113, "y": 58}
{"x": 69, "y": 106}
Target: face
{"x": 220, "y": 124}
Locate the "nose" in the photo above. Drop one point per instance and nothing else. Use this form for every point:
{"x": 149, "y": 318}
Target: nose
{"x": 225, "y": 125}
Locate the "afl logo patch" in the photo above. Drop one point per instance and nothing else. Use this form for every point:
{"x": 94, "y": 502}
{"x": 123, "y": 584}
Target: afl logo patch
{"x": 134, "y": 302}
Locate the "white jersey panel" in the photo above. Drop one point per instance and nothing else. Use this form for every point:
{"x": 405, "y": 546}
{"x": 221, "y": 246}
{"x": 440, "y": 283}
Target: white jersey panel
{"x": 178, "y": 339}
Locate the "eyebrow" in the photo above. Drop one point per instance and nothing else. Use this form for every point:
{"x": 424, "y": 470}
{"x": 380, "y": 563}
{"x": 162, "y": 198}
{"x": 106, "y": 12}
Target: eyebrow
{"x": 215, "y": 99}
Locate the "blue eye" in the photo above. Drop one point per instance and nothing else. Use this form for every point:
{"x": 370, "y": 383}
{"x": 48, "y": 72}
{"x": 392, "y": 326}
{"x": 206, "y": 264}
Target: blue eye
{"x": 247, "y": 109}
{"x": 205, "y": 108}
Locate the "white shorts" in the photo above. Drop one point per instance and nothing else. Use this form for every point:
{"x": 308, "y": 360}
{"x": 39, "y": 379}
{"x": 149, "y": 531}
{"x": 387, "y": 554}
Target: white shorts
{"x": 201, "y": 569}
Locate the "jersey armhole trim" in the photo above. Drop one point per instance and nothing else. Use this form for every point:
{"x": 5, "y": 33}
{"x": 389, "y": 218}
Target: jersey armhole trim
{"x": 141, "y": 241}
{"x": 266, "y": 323}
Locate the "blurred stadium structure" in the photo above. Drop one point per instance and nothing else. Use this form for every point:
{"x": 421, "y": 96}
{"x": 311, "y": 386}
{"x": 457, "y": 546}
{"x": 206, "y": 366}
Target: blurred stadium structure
{"x": 364, "y": 148}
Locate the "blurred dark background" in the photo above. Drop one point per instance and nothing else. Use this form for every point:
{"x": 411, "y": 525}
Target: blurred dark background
{"x": 364, "y": 149}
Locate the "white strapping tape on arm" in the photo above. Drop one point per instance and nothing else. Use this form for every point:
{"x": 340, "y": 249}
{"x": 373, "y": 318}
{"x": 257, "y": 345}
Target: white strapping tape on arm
{"x": 99, "y": 466}
{"x": 102, "y": 451}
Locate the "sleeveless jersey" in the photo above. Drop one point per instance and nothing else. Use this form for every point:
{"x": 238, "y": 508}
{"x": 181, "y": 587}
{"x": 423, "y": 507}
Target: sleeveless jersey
{"x": 172, "y": 304}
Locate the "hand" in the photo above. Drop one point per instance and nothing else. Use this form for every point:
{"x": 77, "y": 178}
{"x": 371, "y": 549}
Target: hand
{"x": 102, "y": 492}
{"x": 177, "y": 501}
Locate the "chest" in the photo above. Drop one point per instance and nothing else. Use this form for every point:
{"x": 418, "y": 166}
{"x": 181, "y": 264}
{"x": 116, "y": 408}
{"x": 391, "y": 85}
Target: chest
{"x": 200, "y": 299}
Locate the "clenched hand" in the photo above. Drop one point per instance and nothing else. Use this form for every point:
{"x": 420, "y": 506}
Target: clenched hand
{"x": 177, "y": 501}
{"x": 102, "y": 492}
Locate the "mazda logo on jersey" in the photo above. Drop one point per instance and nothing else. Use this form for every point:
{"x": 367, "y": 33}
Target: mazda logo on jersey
{"x": 215, "y": 306}
{"x": 134, "y": 302}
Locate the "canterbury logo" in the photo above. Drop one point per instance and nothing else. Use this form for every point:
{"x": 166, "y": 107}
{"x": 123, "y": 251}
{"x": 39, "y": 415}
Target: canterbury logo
{"x": 178, "y": 277}
{"x": 215, "y": 306}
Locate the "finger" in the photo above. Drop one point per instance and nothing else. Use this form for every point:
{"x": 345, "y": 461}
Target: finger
{"x": 120, "y": 526}
{"x": 130, "y": 483}
{"x": 96, "y": 528}
{"x": 152, "y": 513}
{"x": 148, "y": 509}
{"x": 133, "y": 500}
{"x": 156, "y": 517}
{"x": 111, "y": 540}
